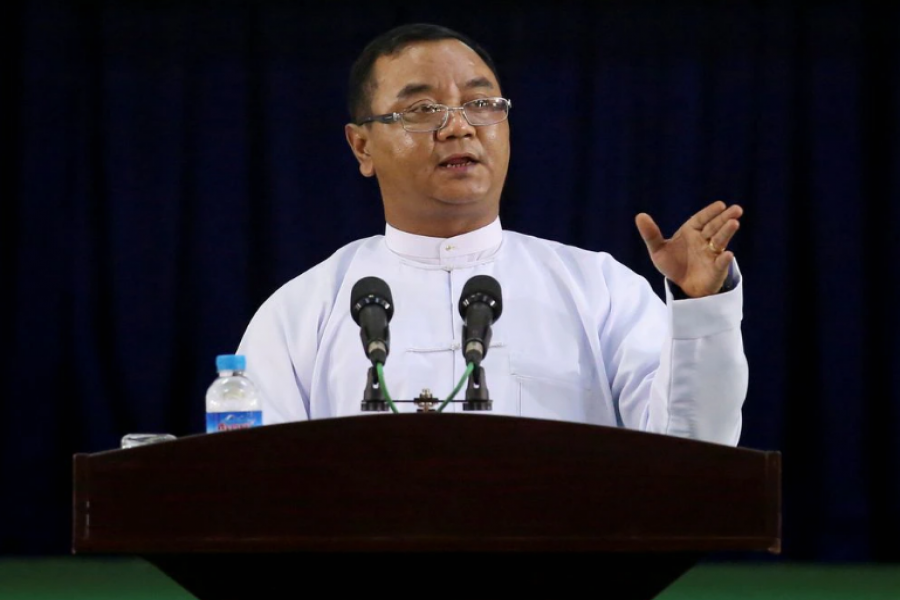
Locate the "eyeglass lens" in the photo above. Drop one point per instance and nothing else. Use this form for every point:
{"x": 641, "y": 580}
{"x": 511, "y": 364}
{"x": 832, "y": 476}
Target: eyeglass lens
{"x": 429, "y": 117}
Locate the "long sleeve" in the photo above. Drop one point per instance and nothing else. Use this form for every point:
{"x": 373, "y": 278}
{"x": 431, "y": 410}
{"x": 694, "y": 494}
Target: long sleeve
{"x": 271, "y": 358}
{"x": 706, "y": 372}
{"x": 285, "y": 339}
{"x": 692, "y": 385}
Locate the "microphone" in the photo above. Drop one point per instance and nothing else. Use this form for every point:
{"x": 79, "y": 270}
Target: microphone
{"x": 372, "y": 307}
{"x": 480, "y": 305}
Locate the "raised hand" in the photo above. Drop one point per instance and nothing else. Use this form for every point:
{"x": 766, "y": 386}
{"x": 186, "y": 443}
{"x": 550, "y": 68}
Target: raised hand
{"x": 695, "y": 258}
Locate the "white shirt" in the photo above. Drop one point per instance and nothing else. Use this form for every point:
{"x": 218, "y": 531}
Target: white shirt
{"x": 581, "y": 337}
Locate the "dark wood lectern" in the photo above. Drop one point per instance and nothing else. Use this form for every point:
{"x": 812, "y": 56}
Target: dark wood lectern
{"x": 424, "y": 504}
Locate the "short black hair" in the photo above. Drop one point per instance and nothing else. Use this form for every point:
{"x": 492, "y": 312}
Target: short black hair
{"x": 362, "y": 86}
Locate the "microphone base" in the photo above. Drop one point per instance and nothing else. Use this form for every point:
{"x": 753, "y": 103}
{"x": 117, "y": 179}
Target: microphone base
{"x": 477, "y": 396}
{"x": 478, "y": 405}
{"x": 373, "y": 397}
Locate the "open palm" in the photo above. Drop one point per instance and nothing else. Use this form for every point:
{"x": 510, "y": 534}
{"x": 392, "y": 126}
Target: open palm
{"x": 695, "y": 258}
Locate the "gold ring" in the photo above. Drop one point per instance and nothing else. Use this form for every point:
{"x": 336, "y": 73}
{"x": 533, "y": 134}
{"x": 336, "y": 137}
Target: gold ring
{"x": 712, "y": 247}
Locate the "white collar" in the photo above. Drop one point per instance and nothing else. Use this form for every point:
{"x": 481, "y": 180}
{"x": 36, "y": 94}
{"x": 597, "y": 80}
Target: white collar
{"x": 473, "y": 246}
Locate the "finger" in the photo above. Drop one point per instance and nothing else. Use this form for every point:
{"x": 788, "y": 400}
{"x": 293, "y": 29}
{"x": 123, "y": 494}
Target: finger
{"x": 700, "y": 219}
{"x": 649, "y": 231}
{"x": 732, "y": 212}
{"x": 721, "y": 237}
{"x": 723, "y": 260}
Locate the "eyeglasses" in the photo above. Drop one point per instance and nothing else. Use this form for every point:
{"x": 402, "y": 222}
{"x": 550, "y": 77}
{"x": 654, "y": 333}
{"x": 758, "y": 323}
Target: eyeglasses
{"x": 424, "y": 118}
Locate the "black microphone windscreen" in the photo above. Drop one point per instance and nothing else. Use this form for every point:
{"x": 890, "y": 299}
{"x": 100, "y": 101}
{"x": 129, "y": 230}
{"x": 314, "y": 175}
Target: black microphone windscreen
{"x": 371, "y": 290}
{"x": 481, "y": 288}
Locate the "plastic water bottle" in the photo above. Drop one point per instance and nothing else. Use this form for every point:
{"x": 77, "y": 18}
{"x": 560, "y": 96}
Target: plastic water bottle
{"x": 232, "y": 401}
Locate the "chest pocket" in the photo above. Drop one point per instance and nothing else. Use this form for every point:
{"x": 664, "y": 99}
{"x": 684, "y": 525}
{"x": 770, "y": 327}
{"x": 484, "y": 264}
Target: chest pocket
{"x": 549, "y": 389}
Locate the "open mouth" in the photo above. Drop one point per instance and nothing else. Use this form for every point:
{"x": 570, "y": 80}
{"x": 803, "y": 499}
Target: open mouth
{"x": 458, "y": 163}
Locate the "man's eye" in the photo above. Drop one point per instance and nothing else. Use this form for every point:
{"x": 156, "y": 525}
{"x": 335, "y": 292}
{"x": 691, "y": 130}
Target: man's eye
{"x": 426, "y": 109}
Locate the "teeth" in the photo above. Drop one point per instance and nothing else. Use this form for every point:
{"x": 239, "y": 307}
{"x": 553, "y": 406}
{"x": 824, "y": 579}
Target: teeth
{"x": 459, "y": 164}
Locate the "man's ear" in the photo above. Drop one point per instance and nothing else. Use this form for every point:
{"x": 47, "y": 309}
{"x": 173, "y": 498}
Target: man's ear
{"x": 358, "y": 138}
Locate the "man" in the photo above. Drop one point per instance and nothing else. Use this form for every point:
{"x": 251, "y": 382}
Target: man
{"x": 582, "y": 338}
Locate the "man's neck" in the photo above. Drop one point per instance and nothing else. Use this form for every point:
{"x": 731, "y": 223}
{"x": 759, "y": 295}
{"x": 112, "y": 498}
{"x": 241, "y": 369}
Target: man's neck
{"x": 443, "y": 228}
{"x": 468, "y": 248}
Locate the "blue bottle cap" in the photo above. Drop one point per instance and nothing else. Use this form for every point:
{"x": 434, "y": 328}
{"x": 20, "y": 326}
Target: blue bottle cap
{"x": 231, "y": 362}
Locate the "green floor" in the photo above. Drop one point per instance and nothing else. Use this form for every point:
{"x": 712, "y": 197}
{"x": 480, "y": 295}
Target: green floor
{"x": 71, "y": 578}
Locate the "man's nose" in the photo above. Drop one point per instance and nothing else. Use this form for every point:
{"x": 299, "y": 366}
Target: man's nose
{"x": 456, "y": 125}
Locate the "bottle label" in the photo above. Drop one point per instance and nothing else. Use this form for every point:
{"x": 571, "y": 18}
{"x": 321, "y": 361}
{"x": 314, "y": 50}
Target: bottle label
{"x": 227, "y": 421}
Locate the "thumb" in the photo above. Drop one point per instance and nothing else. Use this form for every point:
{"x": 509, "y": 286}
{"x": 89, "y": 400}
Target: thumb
{"x": 649, "y": 231}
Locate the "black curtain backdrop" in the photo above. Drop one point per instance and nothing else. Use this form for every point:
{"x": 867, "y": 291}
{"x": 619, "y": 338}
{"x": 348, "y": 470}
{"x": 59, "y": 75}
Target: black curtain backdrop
{"x": 168, "y": 165}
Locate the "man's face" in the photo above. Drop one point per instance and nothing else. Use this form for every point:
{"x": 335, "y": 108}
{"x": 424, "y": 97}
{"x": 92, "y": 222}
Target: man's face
{"x": 440, "y": 183}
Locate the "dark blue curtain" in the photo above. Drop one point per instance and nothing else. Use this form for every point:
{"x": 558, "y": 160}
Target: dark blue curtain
{"x": 167, "y": 165}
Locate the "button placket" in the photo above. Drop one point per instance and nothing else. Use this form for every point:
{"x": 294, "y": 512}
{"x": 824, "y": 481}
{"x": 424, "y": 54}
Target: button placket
{"x": 458, "y": 280}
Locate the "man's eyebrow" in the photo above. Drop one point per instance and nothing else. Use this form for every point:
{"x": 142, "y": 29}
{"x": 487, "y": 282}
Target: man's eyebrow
{"x": 479, "y": 82}
{"x": 411, "y": 89}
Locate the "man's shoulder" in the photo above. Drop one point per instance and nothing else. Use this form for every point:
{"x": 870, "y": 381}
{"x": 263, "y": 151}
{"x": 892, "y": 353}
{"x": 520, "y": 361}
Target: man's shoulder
{"x": 326, "y": 276}
{"x": 586, "y": 266}
{"x": 528, "y": 242}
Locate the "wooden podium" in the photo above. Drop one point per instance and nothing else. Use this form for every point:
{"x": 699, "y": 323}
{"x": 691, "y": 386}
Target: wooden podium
{"x": 428, "y": 503}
